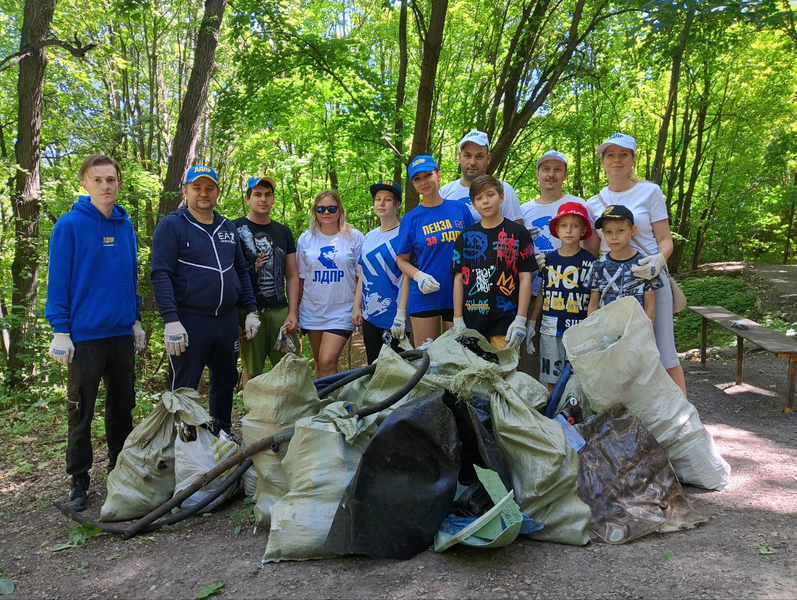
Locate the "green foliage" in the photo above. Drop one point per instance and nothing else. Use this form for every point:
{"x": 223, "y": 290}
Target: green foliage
{"x": 210, "y": 590}
{"x": 732, "y": 293}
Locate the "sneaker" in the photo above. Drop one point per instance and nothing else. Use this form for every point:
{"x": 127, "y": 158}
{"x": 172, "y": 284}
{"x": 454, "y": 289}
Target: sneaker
{"x": 78, "y": 495}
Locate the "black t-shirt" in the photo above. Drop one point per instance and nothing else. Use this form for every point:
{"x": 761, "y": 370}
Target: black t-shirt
{"x": 490, "y": 260}
{"x": 275, "y": 241}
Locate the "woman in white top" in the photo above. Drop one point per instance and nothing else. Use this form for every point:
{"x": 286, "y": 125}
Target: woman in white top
{"x": 646, "y": 201}
{"x": 327, "y": 255}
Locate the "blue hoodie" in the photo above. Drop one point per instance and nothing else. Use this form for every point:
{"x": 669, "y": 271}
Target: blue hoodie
{"x": 199, "y": 268}
{"x": 91, "y": 282}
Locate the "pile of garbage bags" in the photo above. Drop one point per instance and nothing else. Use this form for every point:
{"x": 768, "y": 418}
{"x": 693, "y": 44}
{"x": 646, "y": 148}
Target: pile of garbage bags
{"x": 466, "y": 457}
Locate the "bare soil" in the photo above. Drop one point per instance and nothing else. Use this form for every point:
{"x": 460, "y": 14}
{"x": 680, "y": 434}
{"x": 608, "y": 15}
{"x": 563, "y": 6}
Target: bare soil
{"x": 718, "y": 559}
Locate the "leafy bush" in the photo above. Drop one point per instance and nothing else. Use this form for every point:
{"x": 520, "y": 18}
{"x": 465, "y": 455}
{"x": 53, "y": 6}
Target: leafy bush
{"x": 731, "y": 293}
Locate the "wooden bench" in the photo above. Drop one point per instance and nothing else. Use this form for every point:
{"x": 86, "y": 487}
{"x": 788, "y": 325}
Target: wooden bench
{"x": 765, "y": 338}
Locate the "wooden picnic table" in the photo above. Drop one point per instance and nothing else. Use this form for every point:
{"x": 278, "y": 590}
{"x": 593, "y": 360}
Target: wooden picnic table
{"x": 763, "y": 337}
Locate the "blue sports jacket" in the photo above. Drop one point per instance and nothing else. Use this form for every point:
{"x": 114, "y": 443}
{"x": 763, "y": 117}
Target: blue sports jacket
{"x": 91, "y": 281}
{"x": 198, "y": 268}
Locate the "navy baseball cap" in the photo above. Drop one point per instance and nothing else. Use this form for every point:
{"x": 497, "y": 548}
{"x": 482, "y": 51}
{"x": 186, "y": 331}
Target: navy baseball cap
{"x": 198, "y": 171}
{"x": 614, "y": 212}
{"x": 389, "y": 186}
{"x": 256, "y": 181}
{"x": 421, "y": 164}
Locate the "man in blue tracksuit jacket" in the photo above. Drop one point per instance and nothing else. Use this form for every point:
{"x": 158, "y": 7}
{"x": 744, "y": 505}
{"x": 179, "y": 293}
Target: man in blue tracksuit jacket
{"x": 199, "y": 276}
{"x": 92, "y": 306}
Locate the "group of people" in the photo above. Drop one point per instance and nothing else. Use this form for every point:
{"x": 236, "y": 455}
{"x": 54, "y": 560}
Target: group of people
{"x": 468, "y": 256}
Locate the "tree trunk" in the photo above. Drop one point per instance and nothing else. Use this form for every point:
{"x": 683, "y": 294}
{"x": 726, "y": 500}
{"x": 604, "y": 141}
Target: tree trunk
{"x": 27, "y": 190}
{"x": 790, "y": 220}
{"x": 185, "y": 139}
{"x": 432, "y": 43}
{"x": 398, "y": 140}
{"x": 675, "y": 76}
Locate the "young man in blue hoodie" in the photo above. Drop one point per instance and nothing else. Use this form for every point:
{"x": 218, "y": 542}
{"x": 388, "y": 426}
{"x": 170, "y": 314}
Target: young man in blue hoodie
{"x": 199, "y": 277}
{"x": 92, "y": 305}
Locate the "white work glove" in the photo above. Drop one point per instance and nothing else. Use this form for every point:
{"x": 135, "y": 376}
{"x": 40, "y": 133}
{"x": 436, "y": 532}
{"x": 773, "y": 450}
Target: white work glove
{"x": 399, "y": 327}
{"x": 251, "y": 325}
{"x": 426, "y": 283}
{"x": 175, "y": 337}
{"x": 531, "y": 331}
{"x": 540, "y": 258}
{"x": 650, "y": 266}
{"x": 139, "y": 337}
{"x": 459, "y": 323}
{"x": 516, "y": 333}
{"x": 61, "y": 348}
{"x": 535, "y": 232}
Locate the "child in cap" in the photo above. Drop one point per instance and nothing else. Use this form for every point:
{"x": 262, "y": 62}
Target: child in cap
{"x": 611, "y": 276}
{"x": 492, "y": 266}
{"x": 563, "y": 297}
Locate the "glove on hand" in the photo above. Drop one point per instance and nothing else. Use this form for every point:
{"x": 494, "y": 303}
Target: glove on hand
{"x": 251, "y": 325}
{"x": 175, "y": 338}
{"x": 139, "y": 337}
{"x": 650, "y": 266}
{"x": 531, "y": 331}
{"x": 535, "y": 232}
{"x": 61, "y": 348}
{"x": 516, "y": 333}
{"x": 426, "y": 283}
{"x": 399, "y": 327}
{"x": 540, "y": 258}
{"x": 459, "y": 323}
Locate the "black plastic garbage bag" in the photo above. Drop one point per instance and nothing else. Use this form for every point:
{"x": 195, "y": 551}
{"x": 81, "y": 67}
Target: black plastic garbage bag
{"x": 404, "y": 486}
{"x": 477, "y": 447}
{"x": 627, "y": 480}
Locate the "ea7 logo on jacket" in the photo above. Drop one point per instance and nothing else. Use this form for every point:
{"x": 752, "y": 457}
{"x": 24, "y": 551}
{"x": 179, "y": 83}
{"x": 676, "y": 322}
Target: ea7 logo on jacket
{"x": 226, "y": 237}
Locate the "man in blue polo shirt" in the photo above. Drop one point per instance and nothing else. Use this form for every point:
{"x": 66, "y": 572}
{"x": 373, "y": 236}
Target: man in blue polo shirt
{"x": 199, "y": 277}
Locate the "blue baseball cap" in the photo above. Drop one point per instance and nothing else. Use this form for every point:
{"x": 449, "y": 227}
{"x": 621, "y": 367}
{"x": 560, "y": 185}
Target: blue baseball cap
{"x": 256, "y": 181}
{"x": 389, "y": 186}
{"x": 198, "y": 171}
{"x": 421, "y": 164}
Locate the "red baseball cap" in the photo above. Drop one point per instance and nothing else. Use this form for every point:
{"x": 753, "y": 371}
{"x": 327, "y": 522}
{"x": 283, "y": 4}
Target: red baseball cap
{"x": 571, "y": 208}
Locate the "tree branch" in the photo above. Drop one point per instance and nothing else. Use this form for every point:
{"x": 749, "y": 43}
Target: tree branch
{"x": 77, "y": 50}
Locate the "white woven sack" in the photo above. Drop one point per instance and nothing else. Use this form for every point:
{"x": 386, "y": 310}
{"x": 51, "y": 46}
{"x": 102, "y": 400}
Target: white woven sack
{"x": 614, "y": 354}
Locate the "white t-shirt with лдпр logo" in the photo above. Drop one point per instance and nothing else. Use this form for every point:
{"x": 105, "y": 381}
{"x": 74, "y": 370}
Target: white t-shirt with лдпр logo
{"x": 646, "y": 201}
{"x": 536, "y": 214}
{"x": 329, "y": 266}
{"x": 510, "y": 207}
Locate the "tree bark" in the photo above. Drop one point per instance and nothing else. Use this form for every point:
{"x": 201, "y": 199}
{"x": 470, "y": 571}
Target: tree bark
{"x": 675, "y": 76}
{"x": 398, "y": 141}
{"x": 184, "y": 144}
{"x": 432, "y": 43}
{"x": 26, "y": 199}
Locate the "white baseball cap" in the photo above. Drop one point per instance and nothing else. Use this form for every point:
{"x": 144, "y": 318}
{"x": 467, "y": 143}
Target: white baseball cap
{"x": 477, "y": 137}
{"x": 618, "y": 139}
{"x": 552, "y": 155}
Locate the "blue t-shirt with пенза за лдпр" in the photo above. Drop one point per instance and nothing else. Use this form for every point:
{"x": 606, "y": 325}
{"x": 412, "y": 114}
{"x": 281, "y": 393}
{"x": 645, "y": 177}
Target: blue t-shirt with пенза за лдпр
{"x": 428, "y": 234}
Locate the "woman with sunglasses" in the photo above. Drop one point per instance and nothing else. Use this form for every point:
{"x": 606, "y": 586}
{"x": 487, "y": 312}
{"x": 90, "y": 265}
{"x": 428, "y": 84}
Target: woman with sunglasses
{"x": 426, "y": 235}
{"x": 327, "y": 255}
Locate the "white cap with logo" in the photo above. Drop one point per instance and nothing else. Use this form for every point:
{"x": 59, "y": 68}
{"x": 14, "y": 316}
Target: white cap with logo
{"x": 477, "y": 137}
{"x": 618, "y": 139}
{"x": 552, "y": 155}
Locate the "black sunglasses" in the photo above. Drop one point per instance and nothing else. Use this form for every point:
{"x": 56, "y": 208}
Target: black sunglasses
{"x": 322, "y": 209}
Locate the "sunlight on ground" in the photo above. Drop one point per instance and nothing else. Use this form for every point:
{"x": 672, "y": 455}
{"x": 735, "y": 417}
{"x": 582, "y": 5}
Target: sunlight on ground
{"x": 731, "y": 389}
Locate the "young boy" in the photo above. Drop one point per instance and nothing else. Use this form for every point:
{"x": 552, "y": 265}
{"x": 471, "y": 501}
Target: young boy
{"x": 492, "y": 265}
{"x": 611, "y": 276}
{"x": 563, "y": 296}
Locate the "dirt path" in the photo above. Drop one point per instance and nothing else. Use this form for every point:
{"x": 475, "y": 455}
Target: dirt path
{"x": 719, "y": 559}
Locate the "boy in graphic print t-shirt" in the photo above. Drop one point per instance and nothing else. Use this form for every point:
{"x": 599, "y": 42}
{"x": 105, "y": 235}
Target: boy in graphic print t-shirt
{"x": 564, "y": 296}
{"x": 492, "y": 265}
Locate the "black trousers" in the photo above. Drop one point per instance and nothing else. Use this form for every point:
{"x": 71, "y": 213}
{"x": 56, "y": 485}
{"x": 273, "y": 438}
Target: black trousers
{"x": 212, "y": 341}
{"x": 111, "y": 360}
{"x": 373, "y": 339}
